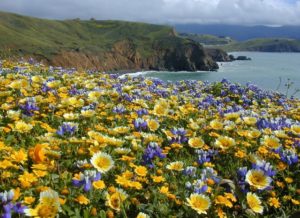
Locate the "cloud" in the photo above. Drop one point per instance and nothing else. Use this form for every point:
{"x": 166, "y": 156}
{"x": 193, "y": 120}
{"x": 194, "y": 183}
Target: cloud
{"x": 248, "y": 12}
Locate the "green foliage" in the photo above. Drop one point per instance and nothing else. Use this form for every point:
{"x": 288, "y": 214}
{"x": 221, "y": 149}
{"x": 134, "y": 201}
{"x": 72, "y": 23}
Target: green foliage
{"x": 21, "y": 35}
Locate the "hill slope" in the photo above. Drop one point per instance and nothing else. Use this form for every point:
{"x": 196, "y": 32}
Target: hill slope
{"x": 265, "y": 45}
{"x": 105, "y": 45}
{"x": 241, "y": 33}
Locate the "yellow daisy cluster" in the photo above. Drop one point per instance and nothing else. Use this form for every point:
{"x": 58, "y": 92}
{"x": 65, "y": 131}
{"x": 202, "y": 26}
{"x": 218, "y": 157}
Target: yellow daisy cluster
{"x": 88, "y": 144}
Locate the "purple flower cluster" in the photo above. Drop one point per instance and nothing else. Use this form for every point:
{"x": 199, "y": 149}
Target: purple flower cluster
{"x": 205, "y": 156}
{"x": 119, "y": 109}
{"x": 179, "y": 135}
{"x": 86, "y": 179}
{"x": 67, "y": 129}
{"x": 289, "y": 157}
{"x": 198, "y": 186}
{"x": 152, "y": 151}
{"x": 190, "y": 171}
{"x": 241, "y": 174}
{"x": 9, "y": 207}
{"x": 142, "y": 112}
{"x": 274, "y": 124}
{"x": 45, "y": 88}
{"x": 29, "y": 107}
{"x": 140, "y": 124}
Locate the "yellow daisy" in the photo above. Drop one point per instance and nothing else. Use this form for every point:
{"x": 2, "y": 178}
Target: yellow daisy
{"x": 254, "y": 203}
{"x": 48, "y": 207}
{"x": 216, "y": 125}
{"x": 224, "y": 142}
{"x": 102, "y": 162}
{"x": 199, "y": 202}
{"x": 177, "y": 166}
{"x": 258, "y": 179}
{"x": 271, "y": 142}
{"x": 295, "y": 129}
{"x": 196, "y": 142}
{"x": 142, "y": 215}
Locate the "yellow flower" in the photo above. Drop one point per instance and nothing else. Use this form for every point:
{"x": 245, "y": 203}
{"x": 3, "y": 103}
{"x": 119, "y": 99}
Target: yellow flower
{"x": 29, "y": 200}
{"x": 164, "y": 190}
{"x": 216, "y": 125}
{"x": 177, "y": 166}
{"x": 289, "y": 180}
{"x": 161, "y": 108}
{"x": 19, "y": 156}
{"x": 158, "y": 179}
{"x": 250, "y": 120}
{"x": 271, "y": 142}
{"x": 199, "y": 202}
{"x": 102, "y": 162}
{"x": 115, "y": 200}
{"x": 224, "y": 142}
{"x": 295, "y": 202}
{"x": 196, "y": 142}
{"x": 142, "y": 215}
{"x": 141, "y": 170}
{"x": 27, "y": 179}
{"x": 48, "y": 206}
{"x": 71, "y": 116}
{"x": 223, "y": 201}
{"x": 153, "y": 125}
{"x": 240, "y": 154}
{"x": 21, "y": 126}
{"x": 274, "y": 202}
{"x": 258, "y": 179}
{"x": 295, "y": 129}
{"x": 88, "y": 113}
{"x": 99, "y": 184}
{"x": 254, "y": 203}
{"x": 81, "y": 199}
{"x": 231, "y": 116}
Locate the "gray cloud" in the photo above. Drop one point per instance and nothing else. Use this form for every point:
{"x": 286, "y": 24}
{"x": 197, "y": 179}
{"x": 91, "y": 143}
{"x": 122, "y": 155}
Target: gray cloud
{"x": 267, "y": 12}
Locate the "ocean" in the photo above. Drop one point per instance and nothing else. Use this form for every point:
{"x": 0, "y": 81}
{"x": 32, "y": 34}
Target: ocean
{"x": 270, "y": 71}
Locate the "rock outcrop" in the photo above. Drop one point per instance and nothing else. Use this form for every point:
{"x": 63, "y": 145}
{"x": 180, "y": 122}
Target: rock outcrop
{"x": 125, "y": 55}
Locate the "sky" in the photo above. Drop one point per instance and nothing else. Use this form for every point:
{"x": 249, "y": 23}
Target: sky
{"x": 245, "y": 12}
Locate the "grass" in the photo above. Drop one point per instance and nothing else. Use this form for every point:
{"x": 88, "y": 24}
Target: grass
{"x": 28, "y": 35}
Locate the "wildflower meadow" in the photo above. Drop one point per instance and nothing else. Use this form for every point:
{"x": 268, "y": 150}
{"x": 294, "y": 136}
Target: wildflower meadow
{"x": 77, "y": 143}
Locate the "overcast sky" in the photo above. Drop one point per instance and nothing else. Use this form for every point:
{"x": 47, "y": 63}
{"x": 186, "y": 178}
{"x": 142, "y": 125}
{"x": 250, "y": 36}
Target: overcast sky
{"x": 249, "y": 12}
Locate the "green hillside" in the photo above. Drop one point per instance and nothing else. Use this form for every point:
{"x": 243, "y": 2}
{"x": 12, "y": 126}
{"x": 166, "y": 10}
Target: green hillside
{"x": 102, "y": 45}
{"x": 207, "y": 39}
{"x": 46, "y": 37}
{"x": 265, "y": 45}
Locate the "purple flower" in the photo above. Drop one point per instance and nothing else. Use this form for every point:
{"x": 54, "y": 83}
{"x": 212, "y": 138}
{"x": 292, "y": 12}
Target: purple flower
{"x": 152, "y": 151}
{"x": 190, "y": 171}
{"x": 67, "y": 129}
{"x": 142, "y": 112}
{"x": 205, "y": 156}
{"x": 29, "y": 107}
{"x": 289, "y": 157}
{"x": 86, "y": 178}
{"x": 9, "y": 207}
{"x": 179, "y": 135}
{"x": 140, "y": 124}
{"x": 119, "y": 109}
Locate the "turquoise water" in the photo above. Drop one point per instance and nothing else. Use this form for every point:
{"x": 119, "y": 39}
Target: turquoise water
{"x": 265, "y": 70}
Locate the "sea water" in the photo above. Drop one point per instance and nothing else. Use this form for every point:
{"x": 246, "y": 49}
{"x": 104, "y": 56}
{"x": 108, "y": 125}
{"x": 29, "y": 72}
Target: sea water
{"x": 270, "y": 71}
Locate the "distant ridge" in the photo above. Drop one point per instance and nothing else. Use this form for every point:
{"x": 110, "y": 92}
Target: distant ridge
{"x": 241, "y": 33}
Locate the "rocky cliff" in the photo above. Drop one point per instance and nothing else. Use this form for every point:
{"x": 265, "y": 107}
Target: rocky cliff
{"x": 125, "y": 55}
